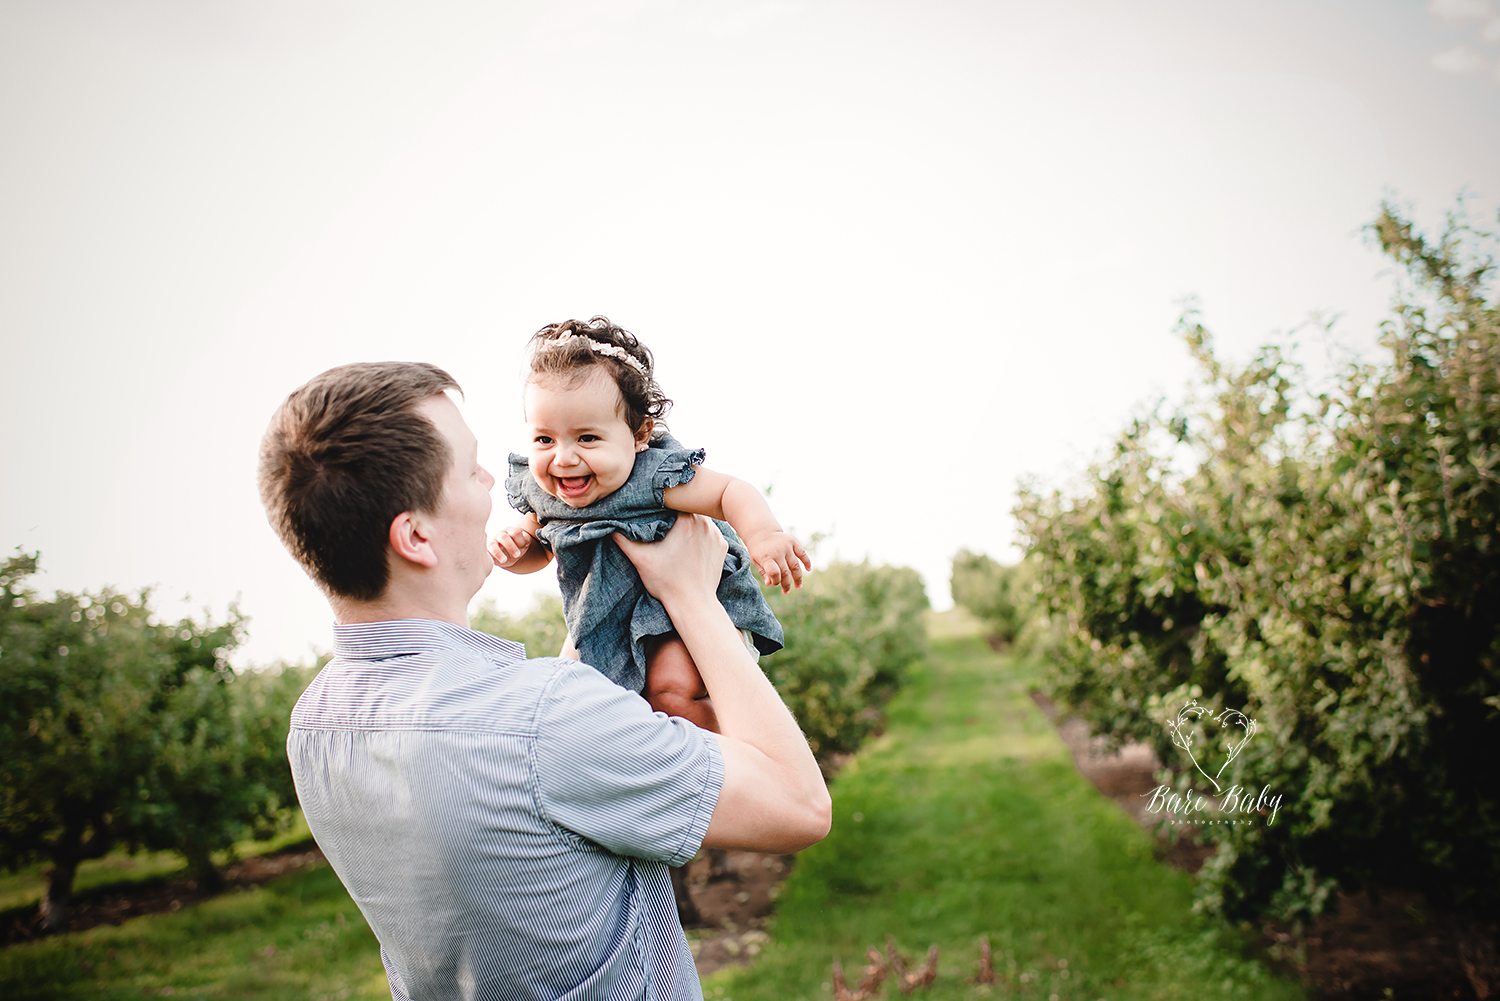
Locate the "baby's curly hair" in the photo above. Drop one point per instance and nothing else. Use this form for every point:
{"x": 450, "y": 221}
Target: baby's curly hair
{"x": 572, "y": 347}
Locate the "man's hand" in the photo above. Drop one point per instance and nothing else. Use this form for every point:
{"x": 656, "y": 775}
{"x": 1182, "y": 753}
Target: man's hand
{"x": 511, "y": 546}
{"x": 780, "y": 557}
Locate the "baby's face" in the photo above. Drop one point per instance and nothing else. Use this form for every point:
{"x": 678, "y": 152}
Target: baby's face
{"x": 581, "y": 448}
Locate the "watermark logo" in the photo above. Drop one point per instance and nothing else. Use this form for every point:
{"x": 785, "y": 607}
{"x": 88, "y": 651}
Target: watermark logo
{"x": 1235, "y": 805}
{"x": 1228, "y": 719}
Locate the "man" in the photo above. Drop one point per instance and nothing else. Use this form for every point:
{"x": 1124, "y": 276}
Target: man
{"x": 503, "y": 824}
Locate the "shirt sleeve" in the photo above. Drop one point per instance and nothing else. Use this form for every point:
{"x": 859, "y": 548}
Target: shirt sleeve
{"x": 517, "y": 481}
{"x": 631, "y": 780}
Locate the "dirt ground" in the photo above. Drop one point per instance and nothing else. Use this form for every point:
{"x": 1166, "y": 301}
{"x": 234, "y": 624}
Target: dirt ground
{"x": 734, "y": 893}
{"x": 1392, "y": 947}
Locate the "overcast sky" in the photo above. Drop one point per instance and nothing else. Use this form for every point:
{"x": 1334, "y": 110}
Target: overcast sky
{"x": 890, "y": 256}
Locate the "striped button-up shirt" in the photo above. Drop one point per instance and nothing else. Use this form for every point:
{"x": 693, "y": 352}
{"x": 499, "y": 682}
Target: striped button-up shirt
{"x": 504, "y": 824}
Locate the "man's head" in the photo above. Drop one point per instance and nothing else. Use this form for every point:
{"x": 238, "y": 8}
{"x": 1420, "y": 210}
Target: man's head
{"x": 370, "y": 458}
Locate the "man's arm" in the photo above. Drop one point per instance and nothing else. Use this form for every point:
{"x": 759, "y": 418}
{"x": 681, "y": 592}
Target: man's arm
{"x": 774, "y": 798}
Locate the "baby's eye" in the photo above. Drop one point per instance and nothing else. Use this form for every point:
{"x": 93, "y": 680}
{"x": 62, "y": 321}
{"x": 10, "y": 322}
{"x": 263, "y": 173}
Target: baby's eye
{"x": 588, "y": 437}
{"x": 542, "y": 439}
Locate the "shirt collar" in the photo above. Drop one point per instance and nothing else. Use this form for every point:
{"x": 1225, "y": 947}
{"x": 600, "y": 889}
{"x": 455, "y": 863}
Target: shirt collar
{"x": 403, "y": 637}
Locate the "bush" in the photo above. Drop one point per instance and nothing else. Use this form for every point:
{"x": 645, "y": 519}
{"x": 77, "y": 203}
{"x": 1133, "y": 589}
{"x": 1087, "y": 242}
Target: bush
{"x": 1328, "y": 563}
{"x": 995, "y": 594}
{"x": 852, "y": 631}
{"x": 117, "y": 731}
{"x": 541, "y": 630}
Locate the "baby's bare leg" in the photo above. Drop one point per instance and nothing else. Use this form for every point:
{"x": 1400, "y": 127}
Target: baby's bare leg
{"x": 673, "y": 684}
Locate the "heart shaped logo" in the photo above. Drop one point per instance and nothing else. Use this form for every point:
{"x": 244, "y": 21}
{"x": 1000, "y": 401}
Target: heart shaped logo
{"x": 1183, "y": 729}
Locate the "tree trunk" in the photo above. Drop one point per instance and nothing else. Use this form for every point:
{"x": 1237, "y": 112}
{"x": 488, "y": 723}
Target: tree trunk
{"x": 55, "y": 900}
{"x": 1477, "y": 952}
{"x": 210, "y": 879}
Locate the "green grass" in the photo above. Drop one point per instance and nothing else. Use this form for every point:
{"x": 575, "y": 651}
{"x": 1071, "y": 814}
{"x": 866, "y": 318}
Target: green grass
{"x": 296, "y": 937}
{"x": 971, "y": 821}
{"x": 24, "y": 887}
{"x": 967, "y": 818}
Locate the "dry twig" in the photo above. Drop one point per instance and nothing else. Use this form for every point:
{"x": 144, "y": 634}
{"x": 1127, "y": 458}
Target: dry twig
{"x": 868, "y": 987}
{"x": 986, "y": 963}
{"x": 874, "y": 973}
{"x": 894, "y": 959}
{"x": 924, "y": 975}
{"x": 894, "y": 965}
{"x": 840, "y": 989}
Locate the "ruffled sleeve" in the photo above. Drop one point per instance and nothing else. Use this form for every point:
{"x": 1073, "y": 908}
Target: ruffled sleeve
{"x": 517, "y": 481}
{"x": 675, "y": 468}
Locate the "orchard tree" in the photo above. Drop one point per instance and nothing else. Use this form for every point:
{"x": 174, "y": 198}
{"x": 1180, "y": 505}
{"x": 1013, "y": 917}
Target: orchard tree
{"x": 852, "y": 632}
{"x": 1328, "y": 563}
{"x": 121, "y": 732}
{"x": 541, "y": 630}
{"x": 996, "y": 594}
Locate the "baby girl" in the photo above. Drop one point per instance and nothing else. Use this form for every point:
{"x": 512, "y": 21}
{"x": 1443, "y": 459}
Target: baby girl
{"x": 600, "y": 462}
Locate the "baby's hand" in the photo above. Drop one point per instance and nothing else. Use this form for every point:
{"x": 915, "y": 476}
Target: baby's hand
{"x": 780, "y": 558}
{"x": 510, "y": 545}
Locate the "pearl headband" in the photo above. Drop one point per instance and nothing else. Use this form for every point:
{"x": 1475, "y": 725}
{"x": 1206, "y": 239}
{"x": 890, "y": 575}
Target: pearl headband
{"x": 611, "y": 350}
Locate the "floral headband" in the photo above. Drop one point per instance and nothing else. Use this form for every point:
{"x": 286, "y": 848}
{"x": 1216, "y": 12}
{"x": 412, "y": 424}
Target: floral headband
{"x": 611, "y": 350}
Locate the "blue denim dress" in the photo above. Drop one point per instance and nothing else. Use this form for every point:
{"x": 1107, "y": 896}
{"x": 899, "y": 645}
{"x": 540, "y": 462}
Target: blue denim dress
{"x": 609, "y": 613}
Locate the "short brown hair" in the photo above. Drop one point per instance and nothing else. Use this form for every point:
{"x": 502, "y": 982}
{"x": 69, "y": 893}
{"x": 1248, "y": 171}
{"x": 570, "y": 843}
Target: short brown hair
{"x": 344, "y": 455}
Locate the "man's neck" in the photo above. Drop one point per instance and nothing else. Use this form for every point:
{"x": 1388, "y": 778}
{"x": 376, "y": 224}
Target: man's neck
{"x": 402, "y": 601}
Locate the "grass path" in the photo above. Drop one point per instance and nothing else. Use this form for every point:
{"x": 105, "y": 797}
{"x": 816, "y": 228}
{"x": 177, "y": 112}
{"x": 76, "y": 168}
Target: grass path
{"x": 965, "y": 819}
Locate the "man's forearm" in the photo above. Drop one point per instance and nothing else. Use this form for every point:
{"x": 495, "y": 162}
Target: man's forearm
{"x": 786, "y": 800}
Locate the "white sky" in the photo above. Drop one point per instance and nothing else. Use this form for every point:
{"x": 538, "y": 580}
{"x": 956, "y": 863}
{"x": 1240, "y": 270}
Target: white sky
{"x": 890, "y": 256}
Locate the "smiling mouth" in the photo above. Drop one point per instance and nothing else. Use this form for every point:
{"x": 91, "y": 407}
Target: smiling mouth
{"x": 573, "y": 486}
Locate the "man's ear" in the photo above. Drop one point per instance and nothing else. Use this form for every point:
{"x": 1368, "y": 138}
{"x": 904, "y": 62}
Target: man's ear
{"x": 409, "y": 539}
{"x": 643, "y": 436}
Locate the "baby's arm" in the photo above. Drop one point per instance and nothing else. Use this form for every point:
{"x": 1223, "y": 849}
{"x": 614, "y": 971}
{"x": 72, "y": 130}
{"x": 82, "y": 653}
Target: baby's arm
{"x": 516, "y": 547}
{"x": 780, "y": 557}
